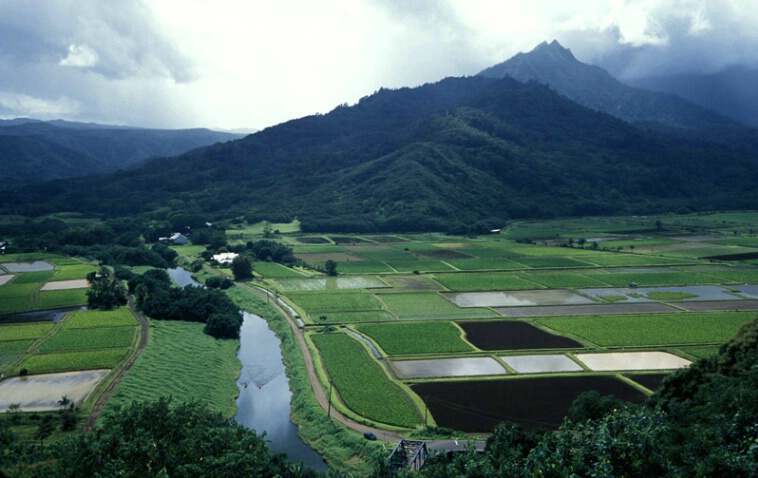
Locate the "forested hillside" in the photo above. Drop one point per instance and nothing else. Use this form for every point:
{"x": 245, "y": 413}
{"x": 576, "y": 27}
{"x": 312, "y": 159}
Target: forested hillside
{"x": 35, "y": 151}
{"x": 463, "y": 154}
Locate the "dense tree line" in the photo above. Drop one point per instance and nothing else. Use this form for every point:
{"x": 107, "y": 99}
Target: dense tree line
{"x": 152, "y": 439}
{"x": 157, "y": 298}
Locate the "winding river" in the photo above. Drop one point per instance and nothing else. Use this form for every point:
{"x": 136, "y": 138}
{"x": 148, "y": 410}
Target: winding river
{"x": 264, "y": 401}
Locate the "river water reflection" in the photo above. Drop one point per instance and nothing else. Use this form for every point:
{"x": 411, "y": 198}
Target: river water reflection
{"x": 264, "y": 401}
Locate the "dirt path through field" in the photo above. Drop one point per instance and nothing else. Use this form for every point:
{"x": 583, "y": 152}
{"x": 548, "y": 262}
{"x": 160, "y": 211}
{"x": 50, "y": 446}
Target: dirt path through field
{"x": 318, "y": 391}
{"x": 116, "y": 381}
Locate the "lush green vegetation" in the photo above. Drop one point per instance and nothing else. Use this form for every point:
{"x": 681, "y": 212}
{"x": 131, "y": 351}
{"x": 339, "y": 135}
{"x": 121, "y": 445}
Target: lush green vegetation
{"x": 52, "y": 299}
{"x": 84, "y": 339}
{"x": 429, "y": 305}
{"x": 483, "y": 281}
{"x": 157, "y": 439}
{"x": 361, "y": 383}
{"x": 84, "y": 319}
{"x": 171, "y": 346}
{"x": 416, "y": 338}
{"x": 460, "y": 155}
{"x": 61, "y": 362}
{"x": 652, "y": 330}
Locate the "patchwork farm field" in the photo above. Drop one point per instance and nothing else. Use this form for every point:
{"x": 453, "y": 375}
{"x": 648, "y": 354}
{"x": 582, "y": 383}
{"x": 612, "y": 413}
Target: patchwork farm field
{"x": 520, "y": 308}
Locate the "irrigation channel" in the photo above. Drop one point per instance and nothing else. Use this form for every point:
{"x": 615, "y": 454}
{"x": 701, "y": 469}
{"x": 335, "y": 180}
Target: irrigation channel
{"x": 264, "y": 401}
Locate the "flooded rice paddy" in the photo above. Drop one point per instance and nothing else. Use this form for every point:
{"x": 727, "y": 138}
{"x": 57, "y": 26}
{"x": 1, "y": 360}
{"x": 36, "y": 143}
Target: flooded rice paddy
{"x": 5, "y": 278}
{"x": 518, "y": 298}
{"x": 37, "y": 393}
{"x": 34, "y": 266}
{"x": 452, "y": 367}
{"x": 620, "y": 361}
{"x": 53, "y": 315}
{"x": 541, "y": 363}
{"x": 640, "y": 294}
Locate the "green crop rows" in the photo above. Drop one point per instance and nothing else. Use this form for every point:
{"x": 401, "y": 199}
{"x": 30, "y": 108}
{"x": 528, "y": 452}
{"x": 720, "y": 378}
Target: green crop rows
{"x": 32, "y": 330}
{"x": 652, "y": 330}
{"x": 84, "y": 319}
{"x": 54, "y": 362}
{"x": 331, "y": 301}
{"x": 416, "y": 337}
{"x": 483, "y": 281}
{"x": 362, "y": 384}
{"x": 428, "y": 305}
{"x": 83, "y": 339}
{"x": 50, "y": 299}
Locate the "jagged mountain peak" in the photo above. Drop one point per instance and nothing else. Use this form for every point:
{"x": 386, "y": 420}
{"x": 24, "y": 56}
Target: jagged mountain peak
{"x": 553, "y": 49}
{"x": 591, "y": 86}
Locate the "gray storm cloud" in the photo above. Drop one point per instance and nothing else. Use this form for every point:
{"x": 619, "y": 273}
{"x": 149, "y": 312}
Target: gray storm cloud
{"x": 698, "y": 37}
{"x": 60, "y": 57}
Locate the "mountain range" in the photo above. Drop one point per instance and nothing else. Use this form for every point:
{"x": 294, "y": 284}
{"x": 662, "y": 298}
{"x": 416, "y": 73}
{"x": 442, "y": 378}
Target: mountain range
{"x": 459, "y": 155}
{"x": 35, "y": 151}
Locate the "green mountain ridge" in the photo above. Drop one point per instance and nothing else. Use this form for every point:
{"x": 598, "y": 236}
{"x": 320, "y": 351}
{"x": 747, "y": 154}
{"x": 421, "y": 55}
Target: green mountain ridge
{"x": 461, "y": 154}
{"x": 33, "y": 151}
{"x": 595, "y": 88}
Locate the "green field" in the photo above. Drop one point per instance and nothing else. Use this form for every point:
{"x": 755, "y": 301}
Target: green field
{"x": 352, "y": 317}
{"x": 643, "y": 279}
{"x": 652, "y": 330}
{"x": 363, "y": 267}
{"x": 486, "y": 263}
{"x": 62, "y": 362}
{"x": 563, "y": 280}
{"x": 51, "y": 299}
{"x": 336, "y": 302}
{"x": 361, "y": 383}
{"x": 422, "y": 265}
{"x": 74, "y": 271}
{"x": 483, "y": 281}
{"x": 11, "y": 350}
{"x": 83, "y": 319}
{"x": 33, "y": 330}
{"x": 416, "y": 337}
{"x": 84, "y": 339}
{"x": 272, "y": 269}
{"x": 33, "y": 277}
{"x": 162, "y": 368}
{"x": 16, "y": 297}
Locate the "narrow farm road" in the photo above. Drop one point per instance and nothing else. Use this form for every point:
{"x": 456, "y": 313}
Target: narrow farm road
{"x": 318, "y": 391}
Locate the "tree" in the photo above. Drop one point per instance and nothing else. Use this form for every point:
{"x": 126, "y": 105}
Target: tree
{"x": 64, "y": 401}
{"x": 105, "y": 292}
{"x": 242, "y": 268}
{"x": 331, "y": 267}
{"x": 223, "y": 326}
{"x": 45, "y": 429}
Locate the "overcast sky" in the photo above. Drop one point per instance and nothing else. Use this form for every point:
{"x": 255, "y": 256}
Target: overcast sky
{"x": 255, "y": 63}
